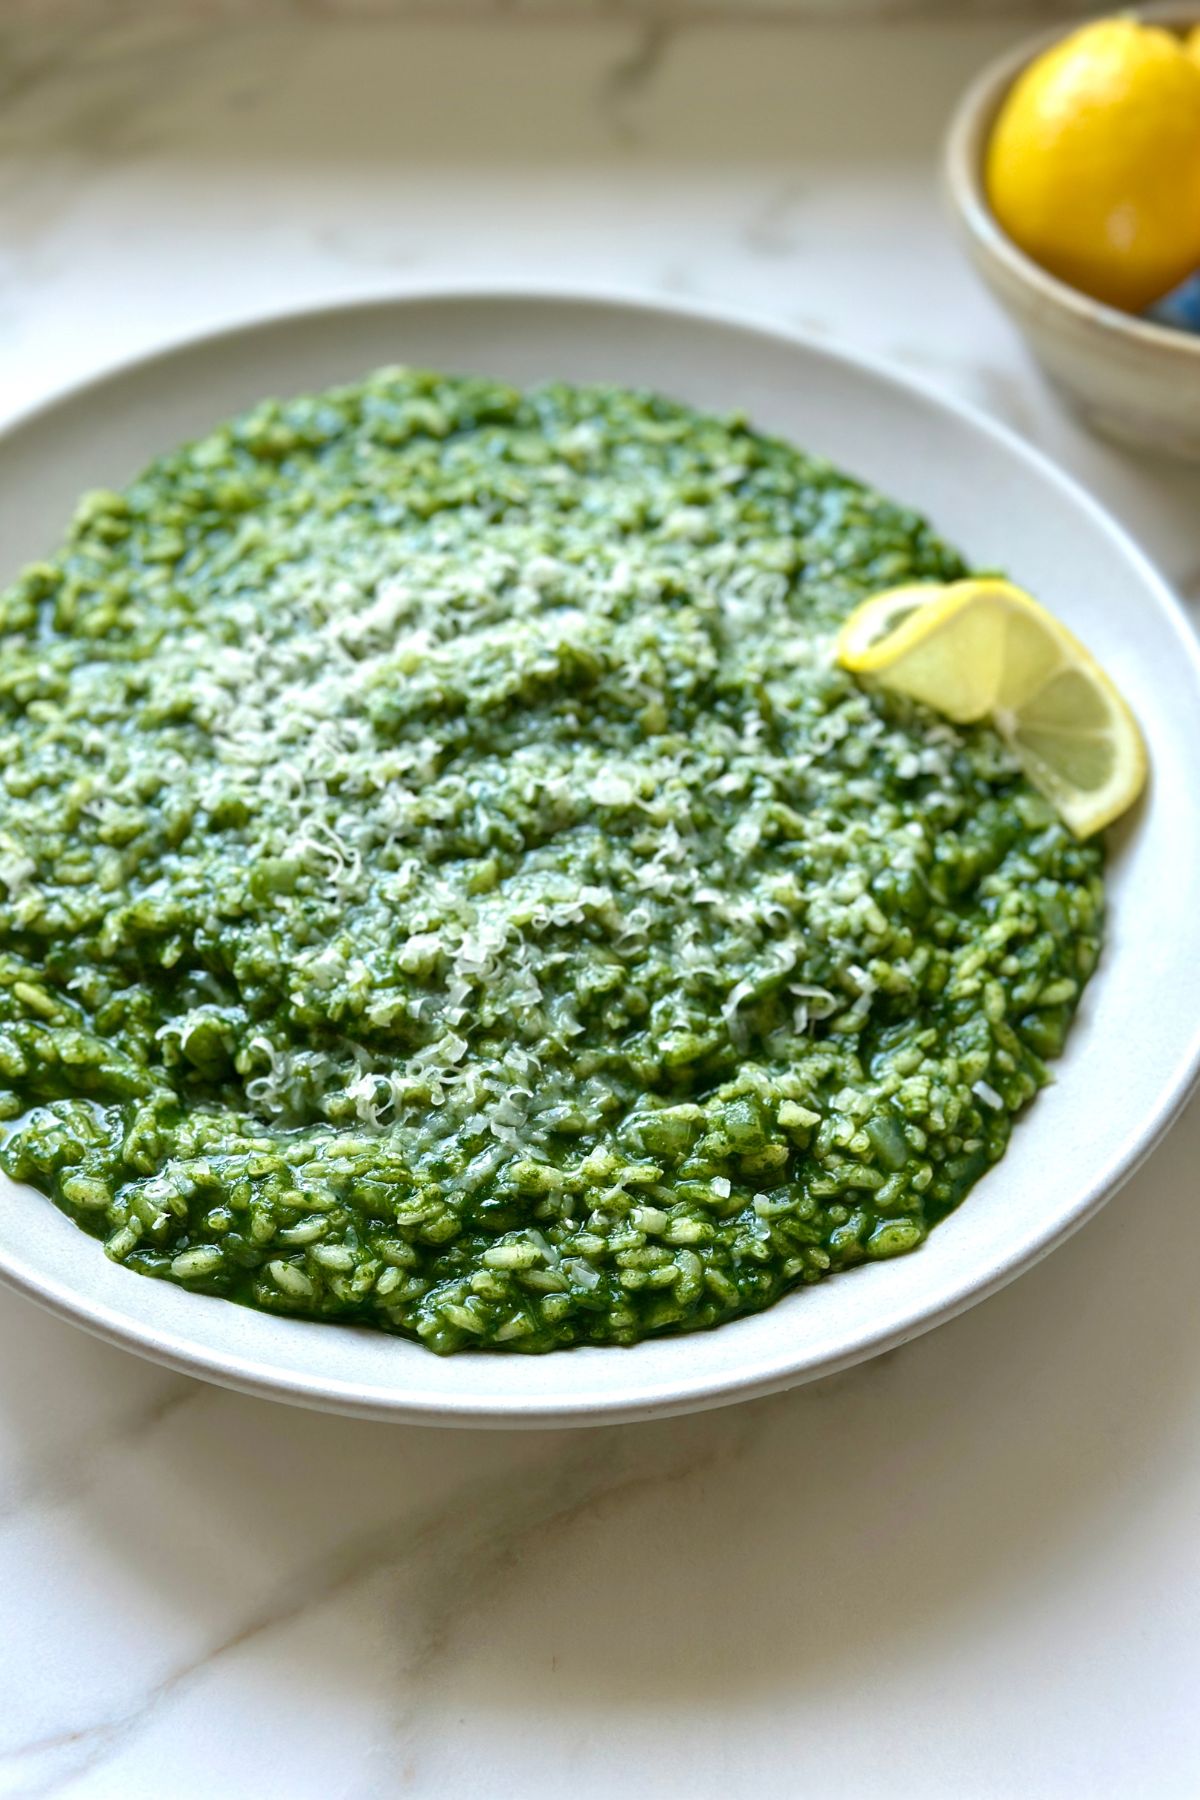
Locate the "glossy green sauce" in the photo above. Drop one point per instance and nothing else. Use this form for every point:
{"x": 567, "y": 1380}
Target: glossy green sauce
{"x": 447, "y": 886}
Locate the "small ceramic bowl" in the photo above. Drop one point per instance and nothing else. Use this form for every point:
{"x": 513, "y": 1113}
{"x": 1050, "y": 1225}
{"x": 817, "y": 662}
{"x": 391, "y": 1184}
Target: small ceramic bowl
{"x": 1129, "y": 378}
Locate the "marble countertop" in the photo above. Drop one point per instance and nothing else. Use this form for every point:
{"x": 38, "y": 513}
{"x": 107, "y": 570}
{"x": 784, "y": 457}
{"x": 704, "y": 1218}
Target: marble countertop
{"x": 968, "y": 1569}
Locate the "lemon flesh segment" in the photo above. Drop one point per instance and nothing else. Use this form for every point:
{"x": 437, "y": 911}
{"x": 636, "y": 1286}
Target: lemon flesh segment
{"x": 984, "y": 649}
{"x": 875, "y": 617}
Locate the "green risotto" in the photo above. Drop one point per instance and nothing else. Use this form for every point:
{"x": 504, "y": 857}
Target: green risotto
{"x": 446, "y": 886}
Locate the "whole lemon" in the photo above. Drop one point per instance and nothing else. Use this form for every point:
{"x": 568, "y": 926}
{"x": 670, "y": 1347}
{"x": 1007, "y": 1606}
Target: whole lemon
{"x": 1093, "y": 167}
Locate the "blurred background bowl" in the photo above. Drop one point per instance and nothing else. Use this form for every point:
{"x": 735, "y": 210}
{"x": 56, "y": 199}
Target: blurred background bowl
{"x": 1128, "y": 377}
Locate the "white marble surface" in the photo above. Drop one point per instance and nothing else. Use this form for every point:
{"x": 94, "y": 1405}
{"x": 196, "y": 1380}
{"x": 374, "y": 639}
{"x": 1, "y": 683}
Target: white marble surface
{"x": 967, "y": 1570}
{"x": 109, "y": 12}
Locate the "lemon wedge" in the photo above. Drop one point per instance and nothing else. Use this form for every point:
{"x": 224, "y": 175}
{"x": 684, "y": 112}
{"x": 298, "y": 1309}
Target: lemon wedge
{"x": 984, "y": 649}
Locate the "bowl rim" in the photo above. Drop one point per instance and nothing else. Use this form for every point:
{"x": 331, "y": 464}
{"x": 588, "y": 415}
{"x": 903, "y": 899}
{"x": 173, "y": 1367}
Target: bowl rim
{"x": 965, "y": 142}
{"x": 172, "y": 1346}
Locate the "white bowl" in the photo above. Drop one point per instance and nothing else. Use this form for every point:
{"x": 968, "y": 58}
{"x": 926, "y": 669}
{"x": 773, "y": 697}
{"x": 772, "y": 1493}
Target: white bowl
{"x": 1127, "y": 377}
{"x": 1136, "y": 1045}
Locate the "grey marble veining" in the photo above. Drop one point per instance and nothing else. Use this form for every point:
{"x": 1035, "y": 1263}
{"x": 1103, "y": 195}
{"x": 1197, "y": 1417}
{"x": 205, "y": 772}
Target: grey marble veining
{"x": 968, "y": 1569}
